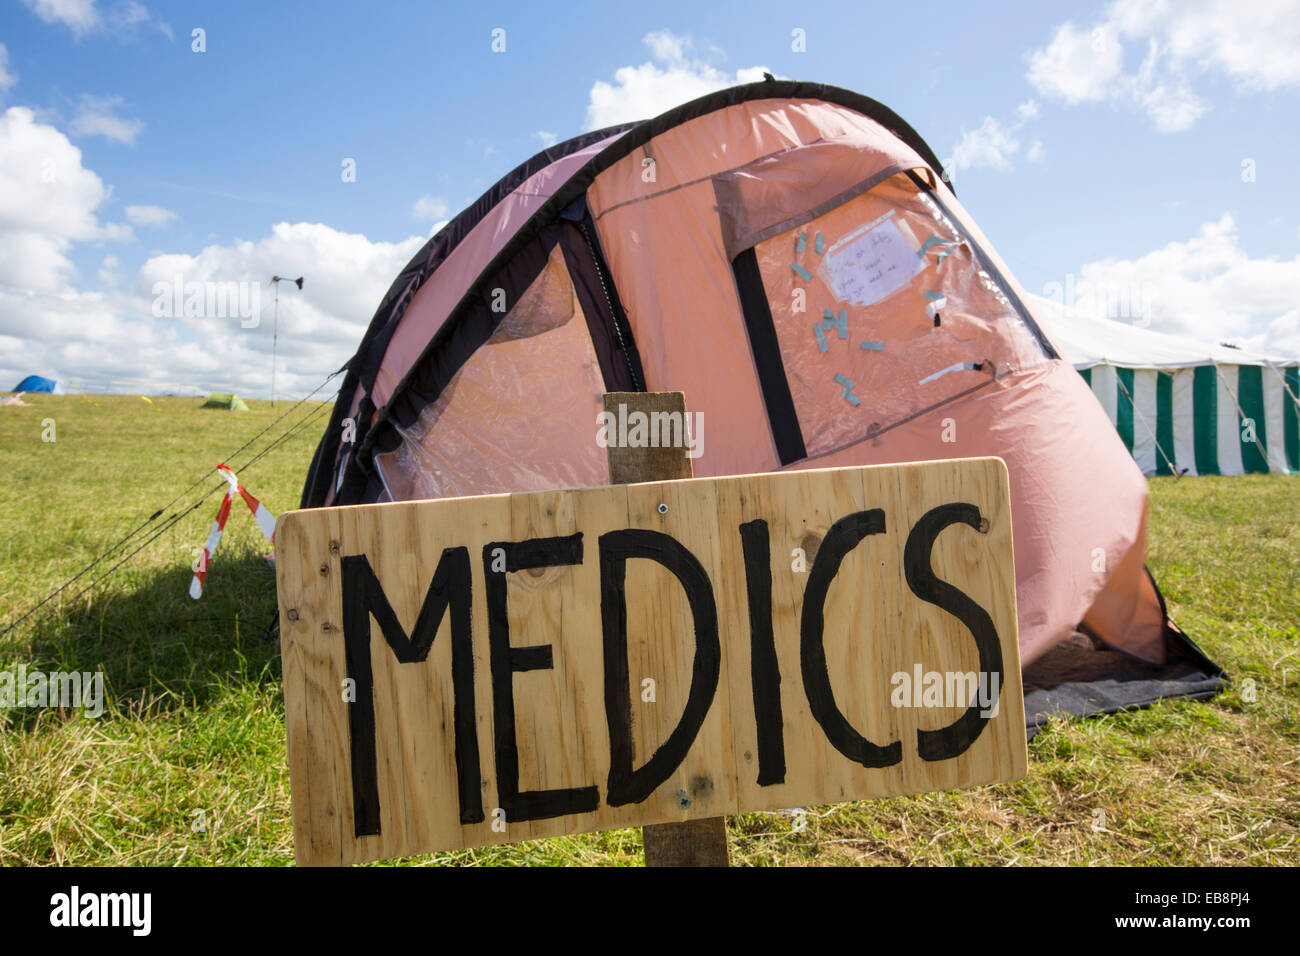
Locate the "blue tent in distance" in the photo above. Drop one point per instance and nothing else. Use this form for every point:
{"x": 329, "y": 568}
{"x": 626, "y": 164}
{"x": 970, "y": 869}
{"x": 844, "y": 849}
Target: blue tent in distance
{"x": 35, "y": 383}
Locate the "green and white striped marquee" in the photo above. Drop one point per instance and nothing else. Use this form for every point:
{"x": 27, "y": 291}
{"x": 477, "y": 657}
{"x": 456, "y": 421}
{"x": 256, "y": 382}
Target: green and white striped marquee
{"x": 1183, "y": 407}
{"x": 1205, "y": 420}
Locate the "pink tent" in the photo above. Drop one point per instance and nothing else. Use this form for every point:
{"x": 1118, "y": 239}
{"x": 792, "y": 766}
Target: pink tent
{"x": 786, "y": 255}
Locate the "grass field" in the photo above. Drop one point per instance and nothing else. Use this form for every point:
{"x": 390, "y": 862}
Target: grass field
{"x": 187, "y": 765}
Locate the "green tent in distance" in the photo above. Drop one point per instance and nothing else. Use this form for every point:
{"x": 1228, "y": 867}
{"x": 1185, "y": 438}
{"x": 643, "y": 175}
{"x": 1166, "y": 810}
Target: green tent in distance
{"x": 225, "y": 400}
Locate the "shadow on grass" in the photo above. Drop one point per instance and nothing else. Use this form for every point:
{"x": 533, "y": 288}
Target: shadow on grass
{"x": 157, "y": 647}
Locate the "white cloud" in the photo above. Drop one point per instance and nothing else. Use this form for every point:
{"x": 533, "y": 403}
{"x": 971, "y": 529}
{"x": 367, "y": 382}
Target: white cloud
{"x": 97, "y": 116}
{"x": 1173, "y": 108}
{"x": 430, "y": 207}
{"x": 126, "y": 17}
{"x": 47, "y": 202}
{"x": 1252, "y": 44}
{"x": 108, "y": 271}
{"x": 149, "y": 215}
{"x": 990, "y": 145}
{"x": 83, "y": 17}
{"x": 79, "y": 16}
{"x": 437, "y": 227}
{"x": 1210, "y": 289}
{"x": 1077, "y": 66}
{"x": 34, "y": 260}
{"x": 673, "y": 76}
{"x": 7, "y": 79}
{"x": 345, "y": 274}
{"x": 547, "y": 139}
{"x": 1167, "y": 99}
{"x": 994, "y": 144}
{"x": 666, "y": 47}
{"x": 93, "y": 339}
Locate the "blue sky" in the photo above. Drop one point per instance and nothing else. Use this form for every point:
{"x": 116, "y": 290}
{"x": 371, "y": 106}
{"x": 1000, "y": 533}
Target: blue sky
{"x": 1138, "y": 144}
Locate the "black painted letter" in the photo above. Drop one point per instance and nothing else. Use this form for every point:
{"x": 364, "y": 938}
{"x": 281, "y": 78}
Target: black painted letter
{"x": 961, "y": 733}
{"x": 506, "y": 661}
{"x": 764, "y": 671}
{"x": 626, "y": 784}
{"x": 842, "y": 538}
{"x": 363, "y": 596}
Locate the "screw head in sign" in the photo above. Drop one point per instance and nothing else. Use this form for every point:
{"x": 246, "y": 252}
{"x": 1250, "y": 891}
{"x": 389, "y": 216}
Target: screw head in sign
{"x": 663, "y": 509}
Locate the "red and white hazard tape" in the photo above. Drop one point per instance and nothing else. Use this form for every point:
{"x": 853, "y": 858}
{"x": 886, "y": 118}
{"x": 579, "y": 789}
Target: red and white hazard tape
{"x": 265, "y": 523}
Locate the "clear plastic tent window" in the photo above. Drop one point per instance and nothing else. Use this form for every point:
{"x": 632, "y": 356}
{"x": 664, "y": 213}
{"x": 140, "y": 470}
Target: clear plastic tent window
{"x": 472, "y": 439}
{"x": 882, "y": 311}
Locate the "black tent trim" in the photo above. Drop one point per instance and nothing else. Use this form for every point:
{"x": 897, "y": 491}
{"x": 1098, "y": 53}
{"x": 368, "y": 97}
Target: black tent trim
{"x": 478, "y": 321}
{"x": 987, "y": 265}
{"x": 577, "y": 185}
{"x": 611, "y": 333}
{"x": 765, "y": 347}
{"x": 434, "y": 252}
{"x": 618, "y": 360}
{"x": 364, "y": 364}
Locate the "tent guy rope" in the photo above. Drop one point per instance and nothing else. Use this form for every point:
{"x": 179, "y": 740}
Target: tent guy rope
{"x": 171, "y": 520}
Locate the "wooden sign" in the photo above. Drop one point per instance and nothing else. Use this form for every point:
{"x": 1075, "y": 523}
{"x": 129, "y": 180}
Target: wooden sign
{"x": 509, "y": 667}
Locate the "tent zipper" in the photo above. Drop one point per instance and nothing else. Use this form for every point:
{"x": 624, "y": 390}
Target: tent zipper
{"x": 615, "y": 314}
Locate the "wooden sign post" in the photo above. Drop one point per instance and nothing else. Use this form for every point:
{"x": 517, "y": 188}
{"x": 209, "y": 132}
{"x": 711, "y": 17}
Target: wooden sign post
{"x": 468, "y": 671}
{"x": 694, "y": 842}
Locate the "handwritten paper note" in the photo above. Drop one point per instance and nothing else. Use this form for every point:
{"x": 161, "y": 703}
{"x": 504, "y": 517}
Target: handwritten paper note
{"x": 871, "y": 263}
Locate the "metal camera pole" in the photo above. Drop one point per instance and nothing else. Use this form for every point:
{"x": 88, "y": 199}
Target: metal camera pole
{"x": 275, "y": 328}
